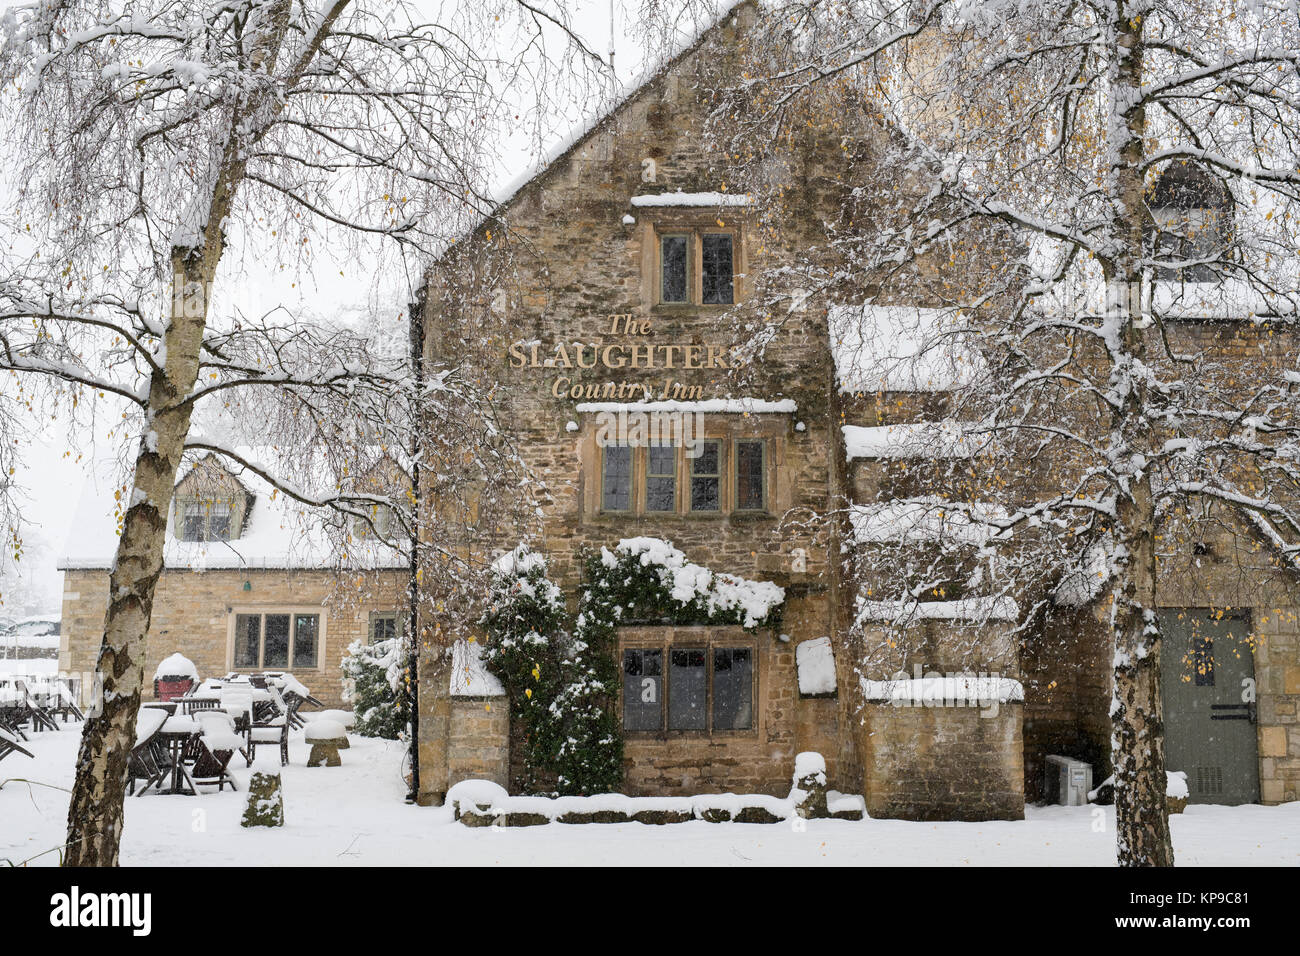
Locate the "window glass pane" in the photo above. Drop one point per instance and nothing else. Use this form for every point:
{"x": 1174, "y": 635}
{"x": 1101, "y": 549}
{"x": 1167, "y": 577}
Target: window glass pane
{"x": 749, "y": 475}
{"x": 732, "y": 689}
{"x": 248, "y": 628}
{"x": 643, "y": 686}
{"x": 672, "y": 253}
{"x": 382, "y": 627}
{"x": 616, "y": 480}
{"x": 306, "y": 629}
{"x": 704, "y": 477}
{"x": 687, "y": 690}
{"x": 276, "y": 652}
{"x": 716, "y": 269}
{"x": 219, "y": 521}
{"x": 193, "y": 522}
{"x": 661, "y": 478}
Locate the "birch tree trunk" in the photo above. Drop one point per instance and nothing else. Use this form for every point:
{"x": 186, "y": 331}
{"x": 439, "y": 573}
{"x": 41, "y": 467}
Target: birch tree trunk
{"x": 99, "y": 790}
{"x": 1137, "y": 736}
{"x": 95, "y": 811}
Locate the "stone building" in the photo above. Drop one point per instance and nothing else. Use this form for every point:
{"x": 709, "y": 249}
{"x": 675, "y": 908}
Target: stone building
{"x": 249, "y": 584}
{"x": 630, "y": 279}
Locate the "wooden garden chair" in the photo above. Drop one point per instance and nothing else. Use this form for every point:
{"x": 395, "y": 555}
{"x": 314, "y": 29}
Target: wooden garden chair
{"x": 9, "y": 745}
{"x": 271, "y": 729}
{"x": 34, "y": 710}
{"x": 149, "y": 760}
{"x": 211, "y": 751}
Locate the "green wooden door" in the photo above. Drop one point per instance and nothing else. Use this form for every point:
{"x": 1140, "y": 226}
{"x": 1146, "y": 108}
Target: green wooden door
{"x": 1207, "y": 670}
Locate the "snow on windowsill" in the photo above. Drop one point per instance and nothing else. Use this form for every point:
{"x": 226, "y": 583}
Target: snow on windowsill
{"x": 752, "y": 406}
{"x": 680, "y": 198}
{"x": 968, "y": 609}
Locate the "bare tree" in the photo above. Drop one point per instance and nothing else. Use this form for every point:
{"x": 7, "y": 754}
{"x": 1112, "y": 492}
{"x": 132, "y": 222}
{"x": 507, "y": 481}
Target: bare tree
{"x": 1077, "y": 187}
{"x": 146, "y": 135}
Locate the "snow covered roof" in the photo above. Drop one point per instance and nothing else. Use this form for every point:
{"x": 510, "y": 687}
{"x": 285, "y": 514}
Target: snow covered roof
{"x": 925, "y": 520}
{"x": 277, "y": 533}
{"x": 945, "y": 439}
{"x": 939, "y": 690}
{"x": 1232, "y": 298}
{"x": 900, "y": 348}
{"x": 469, "y": 676}
{"x": 967, "y": 609}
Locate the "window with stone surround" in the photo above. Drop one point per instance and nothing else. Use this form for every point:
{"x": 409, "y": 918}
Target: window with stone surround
{"x": 284, "y": 640}
{"x": 384, "y": 625}
{"x": 725, "y": 475}
{"x": 695, "y": 686}
{"x": 695, "y": 266}
{"x": 616, "y": 478}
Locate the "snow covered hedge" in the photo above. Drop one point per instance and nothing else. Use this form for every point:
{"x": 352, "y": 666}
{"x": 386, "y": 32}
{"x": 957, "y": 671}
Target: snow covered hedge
{"x": 525, "y": 648}
{"x": 373, "y": 676}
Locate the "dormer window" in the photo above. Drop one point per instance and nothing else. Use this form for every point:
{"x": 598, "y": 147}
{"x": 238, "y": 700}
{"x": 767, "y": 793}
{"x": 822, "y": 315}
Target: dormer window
{"x": 379, "y": 525}
{"x": 205, "y": 520}
{"x": 1191, "y": 211}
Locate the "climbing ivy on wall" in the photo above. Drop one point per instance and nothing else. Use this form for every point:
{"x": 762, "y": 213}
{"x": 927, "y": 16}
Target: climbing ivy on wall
{"x": 563, "y": 683}
{"x": 525, "y": 622}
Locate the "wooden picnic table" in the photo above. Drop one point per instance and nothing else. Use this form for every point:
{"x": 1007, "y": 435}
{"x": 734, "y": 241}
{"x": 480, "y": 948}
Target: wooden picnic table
{"x": 176, "y": 733}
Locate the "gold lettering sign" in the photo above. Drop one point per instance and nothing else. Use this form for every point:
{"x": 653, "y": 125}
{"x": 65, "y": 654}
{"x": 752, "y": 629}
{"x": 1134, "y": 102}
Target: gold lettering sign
{"x": 576, "y": 357}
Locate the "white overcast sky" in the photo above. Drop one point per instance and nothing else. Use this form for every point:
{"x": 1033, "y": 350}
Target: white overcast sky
{"x": 52, "y": 481}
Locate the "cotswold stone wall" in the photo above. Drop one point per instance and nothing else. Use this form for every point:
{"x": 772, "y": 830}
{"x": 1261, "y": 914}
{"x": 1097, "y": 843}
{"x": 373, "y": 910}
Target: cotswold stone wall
{"x": 577, "y": 268}
{"x": 479, "y": 742}
{"x": 943, "y": 763}
{"x": 192, "y": 614}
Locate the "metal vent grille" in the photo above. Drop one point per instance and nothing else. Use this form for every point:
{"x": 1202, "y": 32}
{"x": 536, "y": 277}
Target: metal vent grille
{"x": 1209, "y": 780}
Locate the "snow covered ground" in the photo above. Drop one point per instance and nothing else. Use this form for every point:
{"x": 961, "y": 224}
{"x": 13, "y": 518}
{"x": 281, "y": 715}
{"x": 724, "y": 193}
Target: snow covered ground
{"x": 354, "y": 814}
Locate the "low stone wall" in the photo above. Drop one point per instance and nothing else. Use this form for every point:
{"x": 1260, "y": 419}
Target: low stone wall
{"x": 943, "y": 763}
{"x": 478, "y": 747}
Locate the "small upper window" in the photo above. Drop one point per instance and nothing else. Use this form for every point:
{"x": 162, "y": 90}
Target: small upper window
{"x": 379, "y": 523}
{"x": 673, "y": 255}
{"x": 205, "y": 521}
{"x": 716, "y": 269}
{"x": 384, "y": 625}
{"x": 1191, "y": 212}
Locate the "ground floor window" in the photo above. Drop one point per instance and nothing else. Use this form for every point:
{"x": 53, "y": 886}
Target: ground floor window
{"x": 384, "y": 625}
{"x": 688, "y": 688}
{"x": 275, "y": 639}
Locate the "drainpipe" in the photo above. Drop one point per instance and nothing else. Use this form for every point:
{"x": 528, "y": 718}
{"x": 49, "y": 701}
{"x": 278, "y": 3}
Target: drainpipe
{"x": 416, "y": 319}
